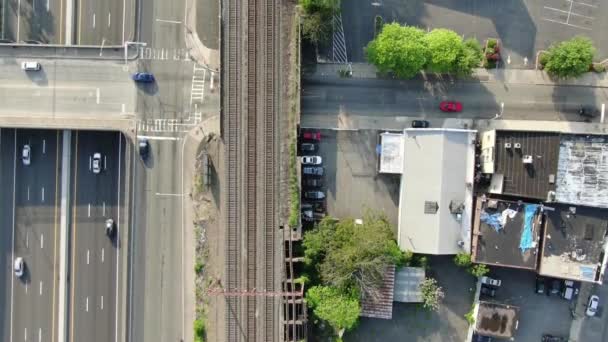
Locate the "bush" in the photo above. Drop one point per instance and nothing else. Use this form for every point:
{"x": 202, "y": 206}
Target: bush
{"x": 599, "y": 68}
{"x": 570, "y": 58}
{"x": 432, "y": 294}
{"x": 198, "y": 267}
{"x": 469, "y": 315}
{"x": 462, "y": 259}
{"x": 543, "y": 58}
{"x": 479, "y": 270}
{"x": 492, "y": 43}
{"x": 199, "y": 330}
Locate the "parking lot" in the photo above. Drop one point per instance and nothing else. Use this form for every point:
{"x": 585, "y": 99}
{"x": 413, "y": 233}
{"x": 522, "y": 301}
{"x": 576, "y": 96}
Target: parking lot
{"x": 523, "y": 26}
{"x": 538, "y": 313}
{"x": 351, "y": 182}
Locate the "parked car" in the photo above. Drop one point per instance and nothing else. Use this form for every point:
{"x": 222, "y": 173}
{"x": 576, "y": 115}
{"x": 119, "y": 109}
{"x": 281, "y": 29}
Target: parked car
{"x": 143, "y": 77}
{"x": 312, "y": 182}
{"x": 450, "y": 106}
{"x": 555, "y": 289}
{"x": 312, "y": 136}
{"x": 570, "y": 289}
{"x": 26, "y": 154}
{"x": 308, "y": 147}
{"x": 30, "y": 66}
{"x": 594, "y": 302}
{"x": 540, "y": 285}
{"x": 314, "y": 195}
{"x": 587, "y": 111}
{"x": 96, "y": 162}
{"x": 310, "y": 215}
{"x": 110, "y": 227}
{"x": 313, "y": 170}
{"x": 551, "y": 338}
{"x": 317, "y": 207}
{"x": 481, "y": 338}
{"x": 420, "y": 124}
{"x": 144, "y": 148}
{"x": 19, "y": 267}
{"x": 490, "y": 281}
{"x": 311, "y": 160}
{"x": 487, "y": 291}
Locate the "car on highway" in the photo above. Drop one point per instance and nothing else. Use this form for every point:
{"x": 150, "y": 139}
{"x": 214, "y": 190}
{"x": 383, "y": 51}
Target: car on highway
{"x": 19, "y": 267}
{"x": 144, "y": 147}
{"x": 314, "y": 195}
{"x": 490, "y": 281}
{"x": 311, "y": 160}
{"x": 96, "y": 162}
{"x": 450, "y": 106}
{"x": 110, "y": 227}
{"x": 420, "y": 124}
{"x": 487, "y": 291}
{"x": 308, "y": 147}
{"x": 313, "y": 170}
{"x": 143, "y": 77}
{"x": 594, "y": 302}
{"x": 312, "y": 136}
{"x": 30, "y": 66}
{"x": 26, "y": 154}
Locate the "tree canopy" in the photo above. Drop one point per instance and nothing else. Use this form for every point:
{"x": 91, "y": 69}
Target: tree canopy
{"x": 570, "y": 58}
{"x": 325, "y": 6}
{"x": 400, "y": 49}
{"x": 445, "y": 49}
{"x": 328, "y": 303}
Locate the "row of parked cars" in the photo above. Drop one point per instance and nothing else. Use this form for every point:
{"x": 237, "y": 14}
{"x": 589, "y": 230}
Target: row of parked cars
{"x": 313, "y": 206}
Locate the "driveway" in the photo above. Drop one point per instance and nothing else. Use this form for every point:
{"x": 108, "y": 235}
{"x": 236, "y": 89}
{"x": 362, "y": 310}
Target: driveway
{"x": 523, "y": 26}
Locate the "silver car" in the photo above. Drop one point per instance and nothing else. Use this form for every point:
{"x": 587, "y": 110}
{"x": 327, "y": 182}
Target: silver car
{"x": 19, "y": 267}
{"x": 311, "y": 160}
{"x": 96, "y": 163}
{"x": 26, "y": 154}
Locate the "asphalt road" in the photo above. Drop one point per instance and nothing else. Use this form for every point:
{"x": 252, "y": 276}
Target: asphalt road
{"x": 36, "y": 20}
{"x": 104, "y": 22}
{"x": 329, "y": 102}
{"x": 30, "y": 307}
{"x": 64, "y": 88}
{"x": 95, "y": 198}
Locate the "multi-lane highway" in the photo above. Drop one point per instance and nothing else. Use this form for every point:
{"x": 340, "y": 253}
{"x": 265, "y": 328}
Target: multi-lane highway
{"x": 35, "y": 21}
{"x": 104, "y": 22}
{"x": 30, "y": 225}
{"x": 95, "y": 198}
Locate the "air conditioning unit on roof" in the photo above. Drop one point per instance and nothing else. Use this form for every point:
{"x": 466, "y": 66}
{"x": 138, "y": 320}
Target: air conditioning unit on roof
{"x": 528, "y": 159}
{"x": 517, "y": 145}
{"x": 507, "y": 145}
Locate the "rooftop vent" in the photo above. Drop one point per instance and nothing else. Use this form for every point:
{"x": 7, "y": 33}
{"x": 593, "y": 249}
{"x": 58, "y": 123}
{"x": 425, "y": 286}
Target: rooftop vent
{"x": 430, "y": 207}
{"x": 507, "y": 145}
{"x": 528, "y": 159}
{"x": 517, "y": 145}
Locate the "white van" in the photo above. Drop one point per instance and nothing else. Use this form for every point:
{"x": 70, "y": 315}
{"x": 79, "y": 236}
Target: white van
{"x": 30, "y": 66}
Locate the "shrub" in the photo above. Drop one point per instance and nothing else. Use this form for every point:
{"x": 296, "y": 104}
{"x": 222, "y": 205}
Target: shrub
{"x": 479, "y": 270}
{"x": 597, "y": 67}
{"x": 491, "y": 44}
{"x": 462, "y": 259}
{"x": 570, "y": 58}
{"x": 432, "y": 294}
{"x": 199, "y": 330}
{"x": 198, "y": 267}
{"x": 469, "y": 315}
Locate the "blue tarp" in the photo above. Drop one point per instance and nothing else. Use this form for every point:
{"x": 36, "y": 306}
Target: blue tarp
{"x": 492, "y": 220}
{"x": 526, "y": 241}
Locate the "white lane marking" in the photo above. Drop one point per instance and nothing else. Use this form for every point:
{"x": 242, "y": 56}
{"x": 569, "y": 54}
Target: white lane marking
{"x": 603, "y": 109}
{"x": 39, "y": 334}
{"x": 43, "y": 146}
{"x": 584, "y": 4}
{"x": 28, "y": 193}
{"x": 93, "y": 20}
{"x": 569, "y": 13}
{"x": 101, "y": 302}
{"x": 88, "y": 256}
{"x": 26, "y": 286}
{"x": 102, "y": 255}
{"x": 48, "y": 5}
{"x": 98, "y": 95}
{"x": 42, "y": 194}
{"x": 25, "y": 334}
{"x": 168, "y": 194}
{"x": 41, "y": 241}
{"x": 122, "y": 108}
{"x": 90, "y": 162}
{"x": 40, "y": 291}
{"x": 89, "y": 210}
{"x": 117, "y": 235}
{"x": 13, "y": 225}
{"x": 109, "y": 18}
{"x": 168, "y": 21}
{"x": 563, "y": 23}
{"x": 105, "y": 162}
{"x": 103, "y": 208}
{"x": 87, "y": 305}
{"x": 18, "y": 25}
{"x": 157, "y": 138}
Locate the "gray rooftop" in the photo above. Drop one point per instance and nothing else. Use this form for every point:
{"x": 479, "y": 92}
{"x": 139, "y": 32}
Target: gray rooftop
{"x": 532, "y": 180}
{"x": 582, "y": 172}
{"x": 574, "y": 242}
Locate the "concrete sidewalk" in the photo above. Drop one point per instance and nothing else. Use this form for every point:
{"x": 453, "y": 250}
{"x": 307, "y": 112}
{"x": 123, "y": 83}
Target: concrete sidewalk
{"x": 507, "y": 76}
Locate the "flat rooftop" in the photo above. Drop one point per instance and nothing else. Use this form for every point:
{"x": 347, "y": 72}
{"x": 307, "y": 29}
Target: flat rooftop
{"x": 574, "y": 242}
{"x": 582, "y": 173}
{"x": 497, "y": 320}
{"x": 532, "y": 180}
{"x": 500, "y": 244}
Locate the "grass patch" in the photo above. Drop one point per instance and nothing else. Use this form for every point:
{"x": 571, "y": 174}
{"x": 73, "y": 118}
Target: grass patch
{"x": 199, "y": 330}
{"x": 198, "y": 267}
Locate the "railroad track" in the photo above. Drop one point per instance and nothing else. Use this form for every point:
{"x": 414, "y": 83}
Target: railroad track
{"x": 250, "y": 137}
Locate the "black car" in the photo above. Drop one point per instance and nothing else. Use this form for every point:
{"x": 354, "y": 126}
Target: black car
{"x": 312, "y": 182}
{"x": 551, "y": 338}
{"x": 556, "y": 288}
{"x": 420, "y": 124}
{"x": 314, "y": 195}
{"x": 144, "y": 147}
{"x": 540, "y": 285}
{"x": 486, "y": 291}
{"x": 317, "y": 207}
{"x": 480, "y": 338}
{"x": 308, "y": 147}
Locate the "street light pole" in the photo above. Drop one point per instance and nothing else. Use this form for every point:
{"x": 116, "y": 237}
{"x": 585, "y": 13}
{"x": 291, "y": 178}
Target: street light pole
{"x": 502, "y": 108}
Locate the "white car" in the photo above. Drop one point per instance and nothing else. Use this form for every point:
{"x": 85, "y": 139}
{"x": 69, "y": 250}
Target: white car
{"x": 96, "y": 163}
{"x": 594, "y": 301}
{"x": 19, "y": 267}
{"x": 30, "y": 66}
{"x": 311, "y": 160}
{"x": 26, "y": 154}
{"x": 489, "y": 281}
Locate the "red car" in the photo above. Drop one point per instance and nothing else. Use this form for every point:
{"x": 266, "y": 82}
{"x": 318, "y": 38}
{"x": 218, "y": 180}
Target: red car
{"x": 312, "y": 136}
{"x": 450, "y": 106}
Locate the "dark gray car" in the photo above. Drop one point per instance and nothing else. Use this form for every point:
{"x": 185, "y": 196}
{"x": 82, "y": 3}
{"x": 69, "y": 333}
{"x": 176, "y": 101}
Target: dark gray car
{"x": 313, "y": 170}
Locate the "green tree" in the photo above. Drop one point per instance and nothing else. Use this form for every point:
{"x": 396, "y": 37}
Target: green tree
{"x": 462, "y": 259}
{"x": 570, "y": 58}
{"x": 445, "y": 50}
{"x": 348, "y": 255}
{"x": 400, "y": 49}
{"x": 199, "y": 330}
{"x": 432, "y": 294}
{"x": 330, "y": 304}
{"x": 471, "y": 57}
{"x": 479, "y": 270}
{"x": 322, "y": 6}
{"x": 315, "y": 27}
